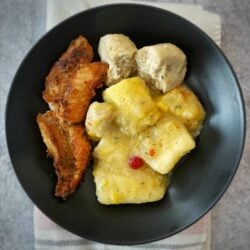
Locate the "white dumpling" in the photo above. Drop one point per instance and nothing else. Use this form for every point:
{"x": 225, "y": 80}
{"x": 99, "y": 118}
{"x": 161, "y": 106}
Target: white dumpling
{"x": 98, "y": 119}
{"x": 118, "y": 51}
{"x": 162, "y": 65}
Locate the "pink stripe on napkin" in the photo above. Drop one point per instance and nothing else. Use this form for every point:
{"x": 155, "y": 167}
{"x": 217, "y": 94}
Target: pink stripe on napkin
{"x": 48, "y": 236}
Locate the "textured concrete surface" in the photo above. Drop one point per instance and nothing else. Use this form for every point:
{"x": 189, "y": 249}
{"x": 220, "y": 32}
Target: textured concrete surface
{"x": 22, "y": 22}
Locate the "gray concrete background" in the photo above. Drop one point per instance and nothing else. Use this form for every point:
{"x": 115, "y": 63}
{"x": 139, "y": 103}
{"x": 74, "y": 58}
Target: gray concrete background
{"x": 22, "y": 22}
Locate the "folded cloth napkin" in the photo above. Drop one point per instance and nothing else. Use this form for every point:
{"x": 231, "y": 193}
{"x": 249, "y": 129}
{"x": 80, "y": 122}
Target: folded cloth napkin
{"x": 210, "y": 23}
{"x": 47, "y": 234}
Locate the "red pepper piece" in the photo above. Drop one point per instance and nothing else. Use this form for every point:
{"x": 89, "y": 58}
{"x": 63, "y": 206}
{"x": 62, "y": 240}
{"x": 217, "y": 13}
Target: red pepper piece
{"x": 135, "y": 162}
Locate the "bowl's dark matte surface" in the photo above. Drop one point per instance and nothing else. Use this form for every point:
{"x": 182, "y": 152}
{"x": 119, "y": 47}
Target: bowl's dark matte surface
{"x": 196, "y": 185}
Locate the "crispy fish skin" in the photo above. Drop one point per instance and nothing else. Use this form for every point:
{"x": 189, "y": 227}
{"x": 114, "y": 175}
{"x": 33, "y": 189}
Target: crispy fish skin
{"x": 78, "y": 53}
{"x": 70, "y": 149}
{"x": 80, "y": 90}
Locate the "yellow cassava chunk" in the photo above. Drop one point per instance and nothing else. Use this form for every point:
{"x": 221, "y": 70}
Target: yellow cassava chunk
{"x": 116, "y": 182}
{"x": 162, "y": 145}
{"x": 135, "y": 109}
{"x": 183, "y": 103}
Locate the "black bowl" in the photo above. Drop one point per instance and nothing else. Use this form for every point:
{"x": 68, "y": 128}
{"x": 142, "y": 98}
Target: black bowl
{"x": 196, "y": 185}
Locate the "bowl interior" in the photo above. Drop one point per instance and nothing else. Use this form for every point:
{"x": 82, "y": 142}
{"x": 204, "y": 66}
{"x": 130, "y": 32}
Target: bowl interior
{"x": 196, "y": 184}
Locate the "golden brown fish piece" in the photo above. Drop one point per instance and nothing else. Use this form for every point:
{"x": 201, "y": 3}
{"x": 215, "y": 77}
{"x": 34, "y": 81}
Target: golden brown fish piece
{"x": 72, "y": 81}
{"x": 70, "y": 149}
{"x": 78, "y": 53}
{"x": 80, "y": 90}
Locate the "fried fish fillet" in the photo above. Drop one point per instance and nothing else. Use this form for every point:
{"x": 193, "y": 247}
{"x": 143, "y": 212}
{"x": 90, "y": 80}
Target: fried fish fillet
{"x": 80, "y": 90}
{"x": 72, "y": 81}
{"x": 78, "y": 53}
{"x": 69, "y": 88}
{"x": 70, "y": 149}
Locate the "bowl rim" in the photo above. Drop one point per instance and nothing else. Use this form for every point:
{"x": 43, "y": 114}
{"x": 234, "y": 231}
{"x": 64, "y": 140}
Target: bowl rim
{"x": 242, "y": 111}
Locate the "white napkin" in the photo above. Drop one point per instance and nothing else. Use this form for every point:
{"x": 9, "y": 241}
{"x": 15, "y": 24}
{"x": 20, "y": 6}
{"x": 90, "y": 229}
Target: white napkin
{"x": 210, "y": 23}
{"x": 48, "y": 235}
